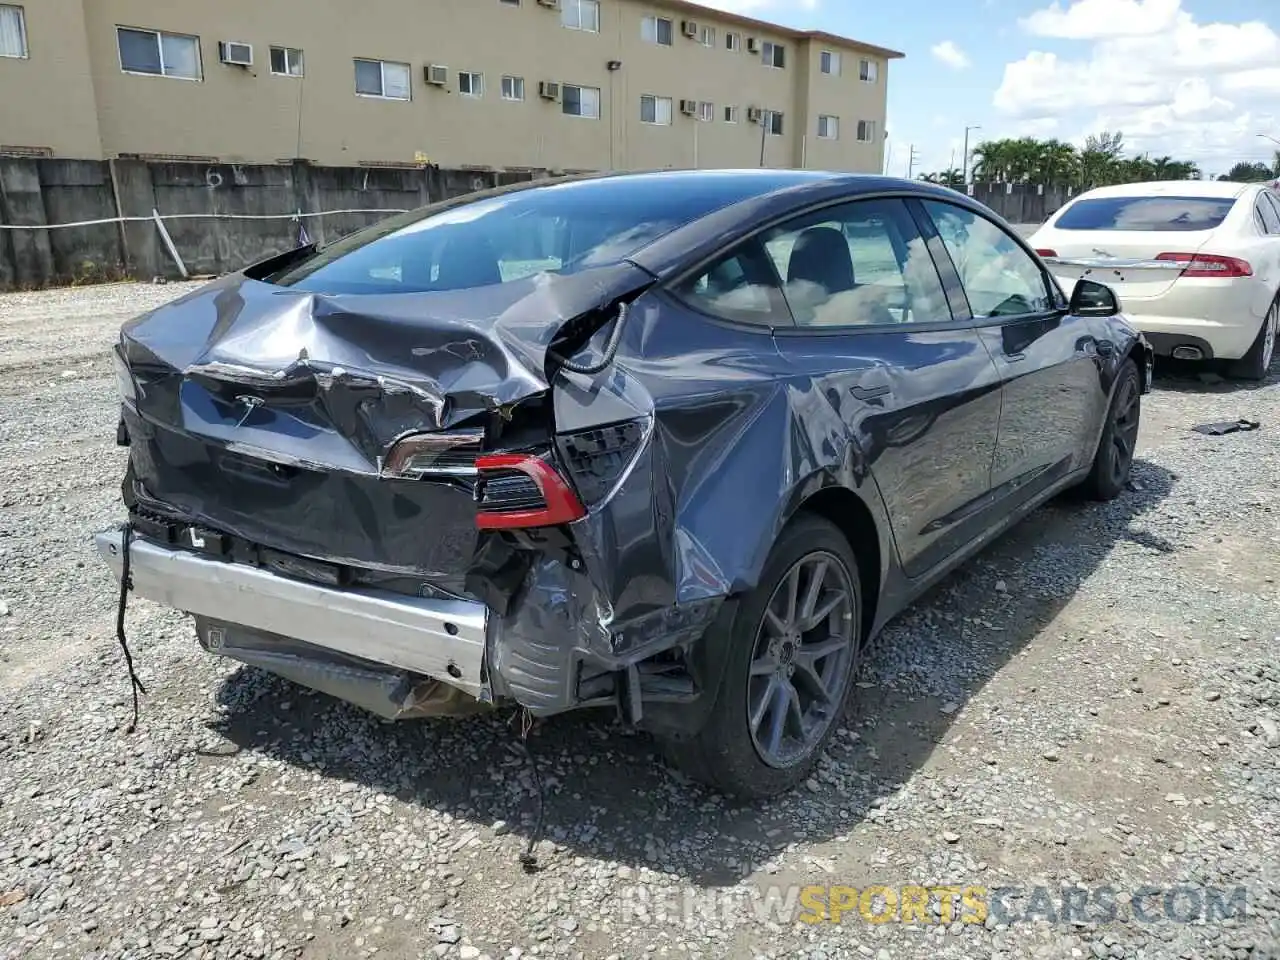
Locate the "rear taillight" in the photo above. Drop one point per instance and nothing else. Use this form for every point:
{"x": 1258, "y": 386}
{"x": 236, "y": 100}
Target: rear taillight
{"x": 599, "y": 458}
{"x": 1208, "y": 265}
{"x": 521, "y": 490}
{"x": 1046, "y": 253}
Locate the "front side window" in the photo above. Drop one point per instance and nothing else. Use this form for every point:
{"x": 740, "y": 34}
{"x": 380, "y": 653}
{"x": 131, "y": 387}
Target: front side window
{"x": 581, "y": 15}
{"x": 580, "y": 101}
{"x": 999, "y": 277}
{"x": 1145, "y": 213}
{"x": 513, "y": 88}
{"x": 158, "y": 54}
{"x": 857, "y": 264}
{"x": 829, "y": 63}
{"x": 287, "y": 62}
{"x": 656, "y": 30}
{"x": 13, "y": 31}
{"x": 556, "y": 229}
{"x": 382, "y": 78}
{"x": 655, "y": 109}
{"x": 774, "y": 55}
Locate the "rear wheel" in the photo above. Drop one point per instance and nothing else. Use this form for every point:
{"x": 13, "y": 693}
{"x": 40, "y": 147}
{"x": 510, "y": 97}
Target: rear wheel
{"x": 1114, "y": 459}
{"x": 791, "y": 658}
{"x": 1255, "y": 364}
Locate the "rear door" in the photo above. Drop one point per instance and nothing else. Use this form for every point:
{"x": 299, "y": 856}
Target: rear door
{"x": 889, "y": 365}
{"x": 1050, "y": 370}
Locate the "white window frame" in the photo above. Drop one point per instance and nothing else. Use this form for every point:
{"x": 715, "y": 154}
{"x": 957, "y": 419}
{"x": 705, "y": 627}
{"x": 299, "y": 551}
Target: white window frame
{"x": 302, "y": 61}
{"x": 650, "y": 32}
{"x": 25, "y": 52}
{"x": 868, "y": 70}
{"x": 733, "y": 41}
{"x": 707, "y": 36}
{"x": 658, "y": 103}
{"x": 382, "y": 64}
{"x": 867, "y": 127}
{"x": 768, "y": 118}
{"x": 730, "y": 114}
{"x": 769, "y": 55}
{"x": 834, "y": 65}
{"x": 579, "y": 7}
{"x": 474, "y": 80}
{"x": 516, "y": 85}
{"x": 706, "y": 111}
{"x": 160, "y": 35}
{"x": 564, "y": 102}
{"x": 828, "y": 127}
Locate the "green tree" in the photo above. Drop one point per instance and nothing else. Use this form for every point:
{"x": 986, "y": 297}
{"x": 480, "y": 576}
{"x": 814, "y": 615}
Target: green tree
{"x": 1099, "y": 162}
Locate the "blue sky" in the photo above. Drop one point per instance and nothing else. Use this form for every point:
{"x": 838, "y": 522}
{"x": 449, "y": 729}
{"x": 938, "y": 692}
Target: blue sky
{"x": 1192, "y": 79}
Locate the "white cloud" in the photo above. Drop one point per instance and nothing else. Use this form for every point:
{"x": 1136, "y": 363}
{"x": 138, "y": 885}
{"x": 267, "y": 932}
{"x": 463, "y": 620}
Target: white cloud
{"x": 950, "y": 54}
{"x": 1173, "y": 85}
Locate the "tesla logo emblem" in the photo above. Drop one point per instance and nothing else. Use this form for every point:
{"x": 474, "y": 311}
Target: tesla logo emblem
{"x": 250, "y": 404}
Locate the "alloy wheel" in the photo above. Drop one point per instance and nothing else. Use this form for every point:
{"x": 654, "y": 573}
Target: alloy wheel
{"x": 1124, "y": 435}
{"x": 1269, "y": 336}
{"x": 800, "y": 665}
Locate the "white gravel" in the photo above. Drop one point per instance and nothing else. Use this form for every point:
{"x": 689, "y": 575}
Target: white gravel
{"x": 1094, "y": 701}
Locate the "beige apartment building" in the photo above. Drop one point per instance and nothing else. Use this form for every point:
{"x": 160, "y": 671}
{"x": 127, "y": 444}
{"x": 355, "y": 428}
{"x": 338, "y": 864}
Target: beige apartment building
{"x": 556, "y": 84}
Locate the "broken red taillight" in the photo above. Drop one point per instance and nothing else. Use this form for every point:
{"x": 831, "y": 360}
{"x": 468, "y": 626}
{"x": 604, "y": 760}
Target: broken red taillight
{"x": 522, "y": 490}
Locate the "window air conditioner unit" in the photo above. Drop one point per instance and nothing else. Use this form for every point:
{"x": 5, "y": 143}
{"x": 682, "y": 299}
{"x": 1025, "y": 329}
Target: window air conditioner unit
{"x": 689, "y": 107}
{"x": 548, "y": 90}
{"x": 754, "y": 114}
{"x": 436, "y": 75}
{"x": 753, "y": 45}
{"x": 235, "y": 54}
{"x": 689, "y": 28}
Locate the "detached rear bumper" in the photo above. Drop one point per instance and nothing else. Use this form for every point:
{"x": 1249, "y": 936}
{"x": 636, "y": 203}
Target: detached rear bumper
{"x": 440, "y": 639}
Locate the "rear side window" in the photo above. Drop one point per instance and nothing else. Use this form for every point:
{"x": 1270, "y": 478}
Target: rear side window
{"x": 1149, "y": 214}
{"x": 740, "y": 286}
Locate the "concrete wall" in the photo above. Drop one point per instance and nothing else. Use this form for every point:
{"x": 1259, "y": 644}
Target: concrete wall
{"x": 44, "y": 191}
{"x": 1022, "y": 202}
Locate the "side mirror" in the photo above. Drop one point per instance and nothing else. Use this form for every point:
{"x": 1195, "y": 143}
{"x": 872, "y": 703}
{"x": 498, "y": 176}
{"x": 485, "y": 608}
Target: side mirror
{"x": 1093, "y": 299}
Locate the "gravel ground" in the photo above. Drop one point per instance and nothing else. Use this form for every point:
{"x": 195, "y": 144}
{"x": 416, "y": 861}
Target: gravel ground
{"x": 1089, "y": 706}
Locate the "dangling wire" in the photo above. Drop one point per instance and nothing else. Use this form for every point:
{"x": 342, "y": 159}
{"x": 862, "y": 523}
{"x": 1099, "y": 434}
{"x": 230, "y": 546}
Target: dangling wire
{"x": 126, "y": 584}
{"x": 527, "y": 859}
{"x": 610, "y": 348}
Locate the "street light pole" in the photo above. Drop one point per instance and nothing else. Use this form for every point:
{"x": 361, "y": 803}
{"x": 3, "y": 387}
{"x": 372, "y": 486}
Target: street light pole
{"x": 1269, "y": 137}
{"x": 964, "y": 176}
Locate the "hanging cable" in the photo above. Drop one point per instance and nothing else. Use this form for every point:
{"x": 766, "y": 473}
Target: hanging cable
{"x": 126, "y": 584}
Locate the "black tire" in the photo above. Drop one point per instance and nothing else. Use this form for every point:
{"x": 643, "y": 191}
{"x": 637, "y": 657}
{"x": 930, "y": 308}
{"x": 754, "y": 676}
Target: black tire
{"x": 726, "y": 755}
{"x": 1255, "y": 364}
{"x": 1113, "y": 460}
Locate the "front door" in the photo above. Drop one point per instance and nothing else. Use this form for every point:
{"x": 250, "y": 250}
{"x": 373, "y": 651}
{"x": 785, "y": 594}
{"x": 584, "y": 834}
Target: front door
{"x": 1050, "y": 370}
{"x": 887, "y": 364}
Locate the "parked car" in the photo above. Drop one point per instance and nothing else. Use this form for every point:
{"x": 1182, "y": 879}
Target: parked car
{"x": 1196, "y": 264}
{"x": 676, "y": 444}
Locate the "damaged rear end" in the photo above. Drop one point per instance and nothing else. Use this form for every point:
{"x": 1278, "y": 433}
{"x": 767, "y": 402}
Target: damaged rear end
{"x": 368, "y": 494}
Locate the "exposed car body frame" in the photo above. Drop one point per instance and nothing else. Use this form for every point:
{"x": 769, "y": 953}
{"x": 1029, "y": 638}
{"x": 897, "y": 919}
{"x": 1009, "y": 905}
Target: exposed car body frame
{"x": 626, "y": 604}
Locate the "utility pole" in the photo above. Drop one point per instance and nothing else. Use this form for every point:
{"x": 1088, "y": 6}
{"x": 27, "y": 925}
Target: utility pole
{"x": 965, "y": 160}
{"x": 911, "y": 161}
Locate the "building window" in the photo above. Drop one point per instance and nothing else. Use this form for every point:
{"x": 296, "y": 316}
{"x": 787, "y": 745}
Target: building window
{"x": 510, "y": 3}
{"x": 655, "y": 109}
{"x": 706, "y": 111}
{"x": 159, "y": 54}
{"x": 513, "y": 88}
{"x": 866, "y": 130}
{"x": 287, "y": 62}
{"x": 581, "y": 15}
{"x": 773, "y": 122}
{"x": 828, "y": 128}
{"x": 730, "y": 114}
{"x": 733, "y": 42}
{"x": 13, "y": 31}
{"x": 707, "y": 36}
{"x": 382, "y": 78}
{"x": 471, "y": 84}
{"x": 868, "y": 71}
{"x": 580, "y": 101}
{"x": 829, "y": 63}
{"x": 774, "y": 55}
{"x": 656, "y": 30}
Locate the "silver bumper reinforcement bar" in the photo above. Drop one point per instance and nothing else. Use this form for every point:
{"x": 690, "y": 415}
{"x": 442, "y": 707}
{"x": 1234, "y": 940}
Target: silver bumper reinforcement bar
{"x": 441, "y": 639}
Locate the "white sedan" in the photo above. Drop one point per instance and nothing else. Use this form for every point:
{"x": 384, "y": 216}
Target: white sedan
{"x": 1196, "y": 264}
